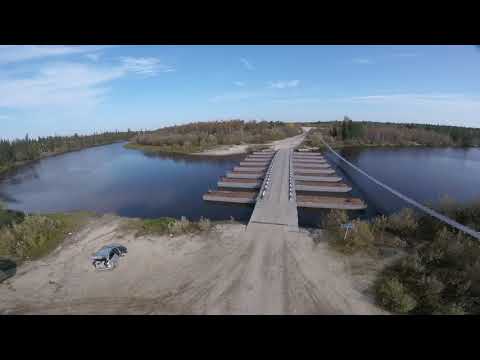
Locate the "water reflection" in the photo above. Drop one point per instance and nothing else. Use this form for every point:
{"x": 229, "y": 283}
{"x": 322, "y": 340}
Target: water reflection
{"x": 112, "y": 179}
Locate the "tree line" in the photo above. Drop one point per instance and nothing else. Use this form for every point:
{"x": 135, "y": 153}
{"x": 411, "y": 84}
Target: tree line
{"x": 200, "y": 136}
{"x": 403, "y": 134}
{"x": 13, "y": 152}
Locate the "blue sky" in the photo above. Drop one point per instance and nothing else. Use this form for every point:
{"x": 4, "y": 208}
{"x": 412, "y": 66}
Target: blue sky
{"x": 66, "y": 89}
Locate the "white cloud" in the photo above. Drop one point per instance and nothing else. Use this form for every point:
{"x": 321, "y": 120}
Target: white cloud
{"x": 284, "y": 84}
{"x": 362, "y": 61}
{"x": 69, "y": 83}
{"x": 58, "y": 84}
{"x": 17, "y": 53}
{"x": 248, "y": 65}
{"x": 239, "y": 83}
{"x": 145, "y": 65}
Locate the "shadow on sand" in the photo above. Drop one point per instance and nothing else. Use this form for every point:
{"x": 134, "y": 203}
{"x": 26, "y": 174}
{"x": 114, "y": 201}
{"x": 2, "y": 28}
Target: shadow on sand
{"x": 8, "y": 268}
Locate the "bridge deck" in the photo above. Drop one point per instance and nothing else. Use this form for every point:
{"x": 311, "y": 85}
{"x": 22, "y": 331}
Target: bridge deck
{"x": 275, "y": 207}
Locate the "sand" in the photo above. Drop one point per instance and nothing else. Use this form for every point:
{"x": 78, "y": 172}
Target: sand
{"x": 218, "y": 272}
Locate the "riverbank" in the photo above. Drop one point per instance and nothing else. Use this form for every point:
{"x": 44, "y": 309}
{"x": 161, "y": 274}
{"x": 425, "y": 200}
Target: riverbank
{"x": 186, "y": 273}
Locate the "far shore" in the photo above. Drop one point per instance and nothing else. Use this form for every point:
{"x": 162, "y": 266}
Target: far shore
{"x": 225, "y": 150}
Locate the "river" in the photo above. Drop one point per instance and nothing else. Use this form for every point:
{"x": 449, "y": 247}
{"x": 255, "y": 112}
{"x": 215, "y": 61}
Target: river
{"x": 112, "y": 179}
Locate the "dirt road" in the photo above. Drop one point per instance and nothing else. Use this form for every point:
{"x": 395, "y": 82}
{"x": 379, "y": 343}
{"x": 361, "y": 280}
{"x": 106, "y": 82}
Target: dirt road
{"x": 241, "y": 149}
{"x": 220, "y": 272}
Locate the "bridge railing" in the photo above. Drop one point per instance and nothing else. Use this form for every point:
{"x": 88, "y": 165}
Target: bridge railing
{"x": 291, "y": 178}
{"x": 267, "y": 180}
{"x": 415, "y": 204}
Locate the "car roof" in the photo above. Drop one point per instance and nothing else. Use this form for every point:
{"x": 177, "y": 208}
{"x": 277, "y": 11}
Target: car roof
{"x": 110, "y": 246}
{"x": 105, "y": 251}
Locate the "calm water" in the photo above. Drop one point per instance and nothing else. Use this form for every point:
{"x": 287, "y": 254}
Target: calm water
{"x": 112, "y": 179}
{"x": 423, "y": 174}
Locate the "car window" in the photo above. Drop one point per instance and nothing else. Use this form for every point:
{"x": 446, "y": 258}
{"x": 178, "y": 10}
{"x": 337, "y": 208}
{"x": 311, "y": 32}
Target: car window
{"x": 113, "y": 252}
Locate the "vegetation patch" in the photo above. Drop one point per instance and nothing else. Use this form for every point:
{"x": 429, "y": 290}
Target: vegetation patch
{"x": 362, "y": 133}
{"x": 37, "y": 235}
{"x": 440, "y": 271}
{"x": 201, "y": 136}
{"x": 359, "y": 238}
{"x": 167, "y": 226}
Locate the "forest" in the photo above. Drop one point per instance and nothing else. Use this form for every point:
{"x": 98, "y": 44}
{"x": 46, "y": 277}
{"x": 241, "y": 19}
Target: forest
{"x": 349, "y": 132}
{"x": 15, "y": 152}
{"x": 200, "y": 136}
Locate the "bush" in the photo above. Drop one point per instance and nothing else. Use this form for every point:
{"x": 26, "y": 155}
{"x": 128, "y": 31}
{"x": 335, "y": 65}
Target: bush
{"x": 167, "y": 226}
{"x": 143, "y": 227}
{"x": 393, "y": 296}
{"x": 333, "y": 221}
{"x": 204, "y": 224}
{"x": 10, "y": 217}
{"x": 37, "y": 234}
{"x": 180, "y": 226}
{"x": 404, "y": 223}
{"x": 360, "y": 237}
{"x": 442, "y": 274}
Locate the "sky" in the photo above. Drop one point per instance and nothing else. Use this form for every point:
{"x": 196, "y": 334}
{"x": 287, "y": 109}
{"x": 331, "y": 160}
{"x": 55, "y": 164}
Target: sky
{"x": 48, "y": 90}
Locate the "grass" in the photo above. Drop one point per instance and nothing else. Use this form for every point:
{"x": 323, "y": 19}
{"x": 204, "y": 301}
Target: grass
{"x": 167, "y": 226}
{"x": 37, "y": 235}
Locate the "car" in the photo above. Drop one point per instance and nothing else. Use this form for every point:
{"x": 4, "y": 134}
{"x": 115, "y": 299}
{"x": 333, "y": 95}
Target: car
{"x": 107, "y": 257}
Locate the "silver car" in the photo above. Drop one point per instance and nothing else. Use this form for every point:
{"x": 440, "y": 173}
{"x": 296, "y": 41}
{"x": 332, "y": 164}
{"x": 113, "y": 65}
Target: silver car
{"x": 107, "y": 257}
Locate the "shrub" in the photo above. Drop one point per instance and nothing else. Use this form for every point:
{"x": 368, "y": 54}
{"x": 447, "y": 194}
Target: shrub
{"x": 180, "y": 226}
{"x": 166, "y": 226}
{"x": 334, "y": 219}
{"x": 404, "y": 223}
{"x": 359, "y": 238}
{"x": 392, "y": 295}
{"x": 442, "y": 274}
{"x": 159, "y": 226}
{"x": 204, "y": 224}
{"x": 9, "y": 217}
{"x": 37, "y": 234}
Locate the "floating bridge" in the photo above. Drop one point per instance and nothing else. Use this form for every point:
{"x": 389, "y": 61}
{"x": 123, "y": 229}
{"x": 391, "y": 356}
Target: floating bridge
{"x": 278, "y": 182}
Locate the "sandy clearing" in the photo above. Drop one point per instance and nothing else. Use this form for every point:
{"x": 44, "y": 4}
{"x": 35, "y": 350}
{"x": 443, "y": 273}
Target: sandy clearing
{"x": 222, "y": 272}
{"x": 241, "y": 149}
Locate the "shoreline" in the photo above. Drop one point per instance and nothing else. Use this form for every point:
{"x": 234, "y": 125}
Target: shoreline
{"x": 188, "y": 273}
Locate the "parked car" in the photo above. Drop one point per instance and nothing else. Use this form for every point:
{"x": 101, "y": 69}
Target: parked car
{"x": 107, "y": 257}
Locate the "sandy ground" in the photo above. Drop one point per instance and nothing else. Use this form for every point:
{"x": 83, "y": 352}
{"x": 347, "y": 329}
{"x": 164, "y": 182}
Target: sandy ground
{"x": 241, "y": 149}
{"x": 219, "y": 272}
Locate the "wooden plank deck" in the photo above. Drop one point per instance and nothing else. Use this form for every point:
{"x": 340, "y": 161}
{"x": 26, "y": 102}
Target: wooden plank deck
{"x": 328, "y": 202}
{"x": 241, "y": 197}
{"x": 321, "y": 186}
{"x": 308, "y": 172}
